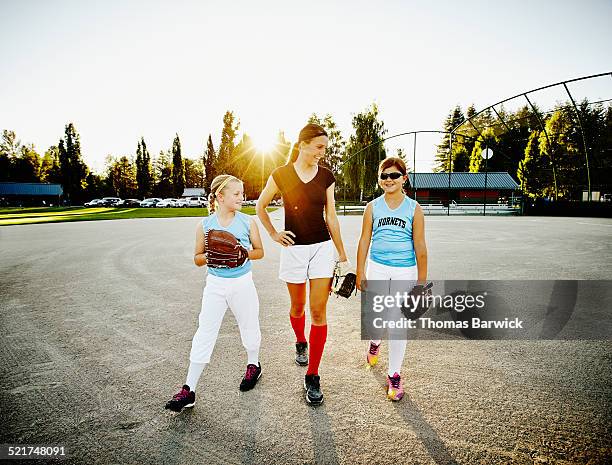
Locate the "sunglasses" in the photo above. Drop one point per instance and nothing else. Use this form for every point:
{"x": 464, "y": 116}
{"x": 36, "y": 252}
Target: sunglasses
{"x": 394, "y": 175}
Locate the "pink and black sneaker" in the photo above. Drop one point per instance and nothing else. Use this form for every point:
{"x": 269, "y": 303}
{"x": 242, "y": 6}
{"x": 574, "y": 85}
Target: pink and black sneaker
{"x": 395, "y": 390}
{"x": 372, "y": 354}
{"x": 252, "y": 375}
{"x": 182, "y": 399}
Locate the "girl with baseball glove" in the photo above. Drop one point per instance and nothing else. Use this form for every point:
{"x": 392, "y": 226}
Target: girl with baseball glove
{"x": 393, "y": 230}
{"x": 226, "y": 241}
{"x": 308, "y": 239}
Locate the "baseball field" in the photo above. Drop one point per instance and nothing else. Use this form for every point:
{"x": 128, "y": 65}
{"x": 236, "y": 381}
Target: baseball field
{"x": 97, "y": 317}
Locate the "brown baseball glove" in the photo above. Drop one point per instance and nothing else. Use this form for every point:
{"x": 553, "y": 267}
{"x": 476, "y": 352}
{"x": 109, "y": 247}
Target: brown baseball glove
{"x": 223, "y": 250}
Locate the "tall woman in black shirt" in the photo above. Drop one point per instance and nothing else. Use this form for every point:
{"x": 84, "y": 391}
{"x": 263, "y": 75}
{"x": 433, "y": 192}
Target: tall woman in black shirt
{"x": 309, "y": 238}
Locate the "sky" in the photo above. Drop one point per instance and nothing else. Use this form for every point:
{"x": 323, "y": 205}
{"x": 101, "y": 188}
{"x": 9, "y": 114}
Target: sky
{"x": 124, "y": 70}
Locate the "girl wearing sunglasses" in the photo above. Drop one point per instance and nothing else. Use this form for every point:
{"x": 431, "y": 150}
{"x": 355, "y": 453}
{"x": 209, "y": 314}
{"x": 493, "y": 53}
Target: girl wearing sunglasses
{"x": 393, "y": 231}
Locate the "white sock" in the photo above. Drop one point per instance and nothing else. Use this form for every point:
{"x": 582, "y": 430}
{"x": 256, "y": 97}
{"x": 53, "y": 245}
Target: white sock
{"x": 253, "y": 357}
{"x": 193, "y": 374}
{"x": 397, "y": 349}
{"x": 376, "y": 342}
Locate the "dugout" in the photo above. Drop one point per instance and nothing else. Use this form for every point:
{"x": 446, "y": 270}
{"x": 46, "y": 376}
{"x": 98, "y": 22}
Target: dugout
{"x": 28, "y": 194}
{"x": 463, "y": 188}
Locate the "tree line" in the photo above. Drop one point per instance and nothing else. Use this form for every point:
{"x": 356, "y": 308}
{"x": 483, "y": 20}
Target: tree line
{"x": 545, "y": 152}
{"x": 549, "y": 163}
{"x": 140, "y": 175}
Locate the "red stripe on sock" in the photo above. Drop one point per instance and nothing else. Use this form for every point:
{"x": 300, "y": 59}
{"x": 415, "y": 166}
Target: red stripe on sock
{"x": 318, "y": 336}
{"x": 298, "y": 323}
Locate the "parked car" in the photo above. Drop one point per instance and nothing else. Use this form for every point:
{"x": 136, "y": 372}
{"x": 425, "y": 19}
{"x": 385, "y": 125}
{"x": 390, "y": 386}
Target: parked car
{"x": 109, "y": 201}
{"x": 197, "y": 202}
{"x": 166, "y": 203}
{"x": 182, "y": 202}
{"x": 92, "y": 203}
{"x": 151, "y": 202}
{"x": 128, "y": 203}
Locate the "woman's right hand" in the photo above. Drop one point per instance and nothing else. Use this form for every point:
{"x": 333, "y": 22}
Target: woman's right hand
{"x": 284, "y": 238}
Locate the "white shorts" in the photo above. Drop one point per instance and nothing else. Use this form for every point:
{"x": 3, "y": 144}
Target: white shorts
{"x": 376, "y": 271}
{"x": 301, "y": 262}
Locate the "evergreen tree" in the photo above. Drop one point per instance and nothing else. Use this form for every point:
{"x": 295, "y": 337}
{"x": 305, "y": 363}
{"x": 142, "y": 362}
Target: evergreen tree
{"x": 178, "y": 169}
{"x": 454, "y": 118}
{"x": 209, "y": 164}
{"x": 224, "y": 163}
{"x": 144, "y": 177}
{"x": 72, "y": 168}
{"x": 163, "y": 174}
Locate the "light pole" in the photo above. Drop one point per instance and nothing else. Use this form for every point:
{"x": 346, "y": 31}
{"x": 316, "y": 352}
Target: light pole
{"x": 486, "y": 154}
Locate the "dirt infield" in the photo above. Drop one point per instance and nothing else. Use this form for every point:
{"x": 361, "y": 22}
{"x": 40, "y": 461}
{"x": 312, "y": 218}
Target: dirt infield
{"x": 97, "y": 318}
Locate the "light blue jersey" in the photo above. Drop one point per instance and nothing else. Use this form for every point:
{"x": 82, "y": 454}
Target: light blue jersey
{"x": 239, "y": 227}
{"x": 392, "y": 243}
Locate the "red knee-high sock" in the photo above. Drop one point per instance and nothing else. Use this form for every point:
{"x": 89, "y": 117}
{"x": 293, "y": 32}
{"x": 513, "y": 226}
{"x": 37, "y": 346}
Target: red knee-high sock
{"x": 318, "y": 336}
{"x": 297, "y": 323}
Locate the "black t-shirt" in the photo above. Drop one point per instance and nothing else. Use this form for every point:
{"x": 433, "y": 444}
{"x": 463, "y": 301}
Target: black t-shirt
{"x": 304, "y": 203}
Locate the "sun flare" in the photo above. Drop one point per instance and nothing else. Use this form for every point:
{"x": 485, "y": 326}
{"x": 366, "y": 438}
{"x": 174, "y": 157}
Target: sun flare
{"x": 264, "y": 141}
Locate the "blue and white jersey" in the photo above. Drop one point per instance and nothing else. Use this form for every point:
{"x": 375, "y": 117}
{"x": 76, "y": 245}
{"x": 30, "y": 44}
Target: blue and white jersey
{"x": 240, "y": 228}
{"x": 392, "y": 243}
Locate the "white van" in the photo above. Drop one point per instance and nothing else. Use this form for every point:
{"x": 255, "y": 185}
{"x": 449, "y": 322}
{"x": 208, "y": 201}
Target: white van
{"x": 197, "y": 202}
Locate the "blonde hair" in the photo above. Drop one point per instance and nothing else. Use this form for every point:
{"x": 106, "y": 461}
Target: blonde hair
{"x": 217, "y": 186}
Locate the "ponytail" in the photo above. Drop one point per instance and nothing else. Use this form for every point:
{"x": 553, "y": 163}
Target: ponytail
{"x": 293, "y": 154}
{"x": 211, "y": 203}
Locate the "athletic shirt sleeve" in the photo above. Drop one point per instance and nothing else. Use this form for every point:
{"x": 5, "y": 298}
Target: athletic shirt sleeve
{"x": 304, "y": 203}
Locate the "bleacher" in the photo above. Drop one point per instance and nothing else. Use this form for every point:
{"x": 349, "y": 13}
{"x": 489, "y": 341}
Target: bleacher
{"x": 439, "y": 209}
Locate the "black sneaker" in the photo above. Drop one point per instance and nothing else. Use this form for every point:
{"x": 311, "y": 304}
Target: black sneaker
{"x": 313, "y": 389}
{"x": 252, "y": 375}
{"x": 301, "y": 353}
{"x": 184, "y": 398}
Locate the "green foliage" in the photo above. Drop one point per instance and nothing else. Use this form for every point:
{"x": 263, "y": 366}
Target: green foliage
{"x": 50, "y": 169}
{"x": 163, "y": 174}
{"x": 477, "y": 163}
{"x": 18, "y": 163}
{"x": 335, "y": 146}
{"x": 194, "y": 173}
{"x": 144, "y": 175}
{"x": 454, "y": 119}
{"x": 178, "y": 169}
{"x": 248, "y": 165}
{"x": 364, "y": 151}
{"x": 534, "y": 172}
{"x": 210, "y": 159}
{"x": 72, "y": 168}
{"x": 224, "y": 164}
{"x": 124, "y": 178}
{"x": 96, "y": 187}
